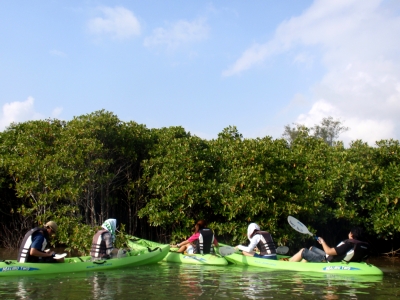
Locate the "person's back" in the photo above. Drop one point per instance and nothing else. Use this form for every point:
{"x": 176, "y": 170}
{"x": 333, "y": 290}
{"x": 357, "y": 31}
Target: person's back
{"x": 266, "y": 244}
{"x": 204, "y": 245}
{"x": 102, "y": 242}
{"x": 24, "y": 250}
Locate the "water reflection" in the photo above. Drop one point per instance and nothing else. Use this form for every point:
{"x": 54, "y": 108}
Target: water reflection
{"x": 171, "y": 281}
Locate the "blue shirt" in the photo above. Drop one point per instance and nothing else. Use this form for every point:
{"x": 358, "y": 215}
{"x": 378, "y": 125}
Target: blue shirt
{"x": 38, "y": 241}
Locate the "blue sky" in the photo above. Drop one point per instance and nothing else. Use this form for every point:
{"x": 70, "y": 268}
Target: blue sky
{"x": 205, "y": 65}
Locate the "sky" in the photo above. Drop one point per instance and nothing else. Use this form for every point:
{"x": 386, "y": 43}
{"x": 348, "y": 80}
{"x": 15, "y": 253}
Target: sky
{"x": 205, "y": 65}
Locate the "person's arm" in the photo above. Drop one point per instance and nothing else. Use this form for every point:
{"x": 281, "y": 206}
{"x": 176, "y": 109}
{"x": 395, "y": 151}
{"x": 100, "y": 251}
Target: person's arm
{"x": 215, "y": 242}
{"x": 36, "y": 247}
{"x": 328, "y": 250}
{"x": 189, "y": 240}
{"x": 253, "y": 243}
{"x": 39, "y": 253}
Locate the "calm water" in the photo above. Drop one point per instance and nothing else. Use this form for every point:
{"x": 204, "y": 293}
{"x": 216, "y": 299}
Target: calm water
{"x": 174, "y": 281}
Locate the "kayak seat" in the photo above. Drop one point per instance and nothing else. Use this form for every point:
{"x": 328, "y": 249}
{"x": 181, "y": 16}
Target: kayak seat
{"x": 359, "y": 253}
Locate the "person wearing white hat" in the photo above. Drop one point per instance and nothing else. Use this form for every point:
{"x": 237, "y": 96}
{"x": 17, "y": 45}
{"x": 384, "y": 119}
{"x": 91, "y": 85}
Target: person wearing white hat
{"x": 260, "y": 239}
{"x": 36, "y": 240}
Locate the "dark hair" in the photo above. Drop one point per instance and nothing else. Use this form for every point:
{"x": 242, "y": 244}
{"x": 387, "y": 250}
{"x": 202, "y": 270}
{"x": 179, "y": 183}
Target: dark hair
{"x": 200, "y": 225}
{"x": 357, "y": 233}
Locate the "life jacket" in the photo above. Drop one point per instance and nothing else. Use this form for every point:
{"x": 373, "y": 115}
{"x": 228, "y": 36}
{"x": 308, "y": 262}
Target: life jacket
{"x": 358, "y": 253}
{"x": 204, "y": 245}
{"x": 266, "y": 245}
{"x": 99, "y": 249}
{"x": 24, "y": 249}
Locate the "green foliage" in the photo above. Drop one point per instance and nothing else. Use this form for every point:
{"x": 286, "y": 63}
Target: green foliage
{"x": 161, "y": 181}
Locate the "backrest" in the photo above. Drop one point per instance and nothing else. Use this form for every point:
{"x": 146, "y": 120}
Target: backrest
{"x": 359, "y": 253}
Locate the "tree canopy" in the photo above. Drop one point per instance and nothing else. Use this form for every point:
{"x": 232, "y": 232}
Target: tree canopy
{"x": 158, "y": 182}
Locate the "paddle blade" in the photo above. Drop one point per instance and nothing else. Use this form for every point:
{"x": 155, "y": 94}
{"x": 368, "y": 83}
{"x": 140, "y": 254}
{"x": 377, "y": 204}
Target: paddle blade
{"x": 59, "y": 256}
{"x": 226, "y": 250}
{"x": 298, "y": 226}
{"x": 282, "y": 250}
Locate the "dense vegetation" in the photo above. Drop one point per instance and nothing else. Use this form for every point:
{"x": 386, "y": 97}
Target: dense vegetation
{"x": 158, "y": 182}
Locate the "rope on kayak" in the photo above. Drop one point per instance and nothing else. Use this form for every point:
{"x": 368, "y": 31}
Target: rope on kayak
{"x": 7, "y": 262}
{"x": 148, "y": 248}
{"x": 100, "y": 262}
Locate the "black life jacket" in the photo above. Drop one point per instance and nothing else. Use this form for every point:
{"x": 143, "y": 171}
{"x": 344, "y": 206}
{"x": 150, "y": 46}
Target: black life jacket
{"x": 204, "y": 245}
{"x": 266, "y": 245}
{"x": 99, "y": 249}
{"x": 24, "y": 249}
{"x": 358, "y": 253}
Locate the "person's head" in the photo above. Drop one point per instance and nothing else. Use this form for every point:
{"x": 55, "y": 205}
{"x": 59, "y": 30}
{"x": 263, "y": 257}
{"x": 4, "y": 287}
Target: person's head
{"x": 111, "y": 226}
{"x": 357, "y": 233}
{"x": 251, "y": 229}
{"x": 200, "y": 225}
{"x": 51, "y": 227}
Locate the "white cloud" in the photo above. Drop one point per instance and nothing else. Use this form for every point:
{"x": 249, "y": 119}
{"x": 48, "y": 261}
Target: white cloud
{"x": 118, "y": 23}
{"x": 357, "y": 45}
{"x": 17, "y": 111}
{"x": 368, "y": 131}
{"x": 360, "y": 128}
{"x": 179, "y": 33}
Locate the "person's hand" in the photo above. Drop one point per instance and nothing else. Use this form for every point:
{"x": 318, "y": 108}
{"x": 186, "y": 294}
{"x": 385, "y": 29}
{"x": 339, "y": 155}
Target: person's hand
{"x": 321, "y": 240}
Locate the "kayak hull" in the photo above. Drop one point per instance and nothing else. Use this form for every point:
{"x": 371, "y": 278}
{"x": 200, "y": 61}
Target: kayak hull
{"x": 329, "y": 268}
{"x": 83, "y": 264}
{"x": 174, "y": 257}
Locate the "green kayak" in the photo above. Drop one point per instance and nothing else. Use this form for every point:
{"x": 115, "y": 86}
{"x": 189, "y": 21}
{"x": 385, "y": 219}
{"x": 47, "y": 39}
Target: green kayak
{"x": 330, "y": 268}
{"x": 136, "y": 257}
{"x": 173, "y": 256}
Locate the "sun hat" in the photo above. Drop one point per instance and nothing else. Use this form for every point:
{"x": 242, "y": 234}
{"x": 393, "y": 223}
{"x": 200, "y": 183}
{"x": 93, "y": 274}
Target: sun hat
{"x": 52, "y": 225}
{"x": 251, "y": 228}
{"x": 111, "y": 226}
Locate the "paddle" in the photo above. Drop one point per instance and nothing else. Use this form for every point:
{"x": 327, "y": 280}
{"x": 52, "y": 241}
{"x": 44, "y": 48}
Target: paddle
{"x": 59, "y": 256}
{"x": 300, "y": 227}
{"x": 228, "y": 250}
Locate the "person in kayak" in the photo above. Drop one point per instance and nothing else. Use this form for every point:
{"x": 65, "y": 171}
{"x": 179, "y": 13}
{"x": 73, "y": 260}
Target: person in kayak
{"x": 352, "y": 249}
{"x": 202, "y": 241}
{"x": 261, "y": 240}
{"x": 103, "y": 241}
{"x": 33, "y": 246}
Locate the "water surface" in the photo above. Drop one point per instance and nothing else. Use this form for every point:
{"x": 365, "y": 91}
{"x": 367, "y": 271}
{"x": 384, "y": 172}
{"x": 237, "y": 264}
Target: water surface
{"x": 177, "y": 281}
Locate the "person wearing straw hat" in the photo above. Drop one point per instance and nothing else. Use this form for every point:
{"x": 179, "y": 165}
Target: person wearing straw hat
{"x": 103, "y": 241}
{"x": 36, "y": 240}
